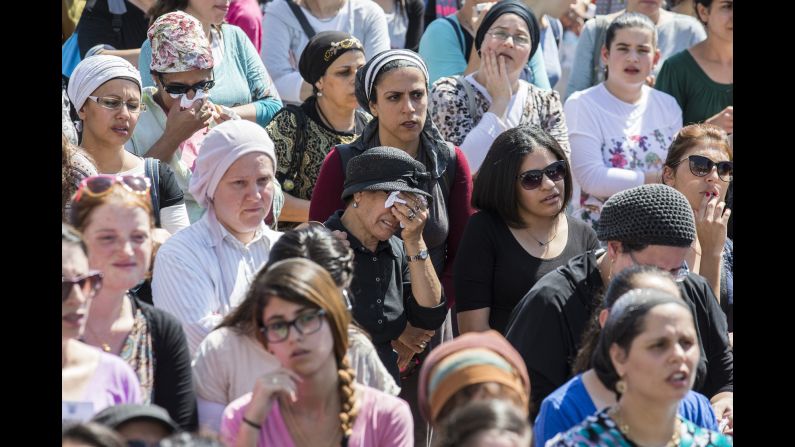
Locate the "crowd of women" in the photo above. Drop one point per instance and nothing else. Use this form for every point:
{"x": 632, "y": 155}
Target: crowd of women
{"x": 335, "y": 224}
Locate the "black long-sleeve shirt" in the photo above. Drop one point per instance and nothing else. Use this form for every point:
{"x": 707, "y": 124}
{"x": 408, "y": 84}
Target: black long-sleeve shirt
{"x": 546, "y": 327}
{"x": 381, "y": 289}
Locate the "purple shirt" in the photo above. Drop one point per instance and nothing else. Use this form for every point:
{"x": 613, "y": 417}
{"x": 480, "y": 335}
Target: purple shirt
{"x": 113, "y": 383}
{"x": 382, "y": 421}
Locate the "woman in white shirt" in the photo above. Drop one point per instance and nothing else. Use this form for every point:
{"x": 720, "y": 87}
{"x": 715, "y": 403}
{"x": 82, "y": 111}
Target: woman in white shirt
{"x": 472, "y": 111}
{"x": 620, "y": 129}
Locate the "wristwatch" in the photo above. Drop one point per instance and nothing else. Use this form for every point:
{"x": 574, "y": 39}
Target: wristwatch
{"x": 421, "y": 256}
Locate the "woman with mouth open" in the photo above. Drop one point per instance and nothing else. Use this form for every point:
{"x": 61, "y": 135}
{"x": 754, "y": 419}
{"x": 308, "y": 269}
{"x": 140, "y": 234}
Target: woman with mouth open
{"x": 90, "y": 379}
{"x": 310, "y": 399}
{"x": 646, "y": 355}
{"x": 114, "y": 214}
{"x": 521, "y": 231}
{"x": 472, "y": 111}
{"x": 620, "y": 129}
{"x": 106, "y": 92}
{"x": 700, "y": 166}
{"x": 585, "y": 394}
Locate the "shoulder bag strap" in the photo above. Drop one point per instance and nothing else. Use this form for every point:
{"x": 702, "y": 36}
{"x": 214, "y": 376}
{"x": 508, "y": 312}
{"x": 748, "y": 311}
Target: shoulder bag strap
{"x": 152, "y": 171}
{"x": 308, "y": 30}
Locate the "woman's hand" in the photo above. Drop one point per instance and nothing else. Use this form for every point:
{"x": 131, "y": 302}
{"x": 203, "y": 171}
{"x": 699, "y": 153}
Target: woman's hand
{"x": 711, "y": 225}
{"x": 282, "y": 381}
{"x": 497, "y": 83}
{"x": 415, "y": 339}
{"x": 405, "y": 354}
{"x": 724, "y": 119}
{"x": 723, "y": 404}
{"x": 412, "y": 215}
{"x": 182, "y": 124}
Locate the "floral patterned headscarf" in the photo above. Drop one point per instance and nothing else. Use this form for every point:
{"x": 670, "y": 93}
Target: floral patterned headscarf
{"x": 179, "y": 44}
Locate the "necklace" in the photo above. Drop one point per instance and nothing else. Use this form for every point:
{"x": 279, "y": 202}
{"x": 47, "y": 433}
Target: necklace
{"x": 104, "y": 346}
{"x": 615, "y": 414}
{"x": 328, "y": 123}
{"x": 544, "y": 244}
{"x": 290, "y": 420}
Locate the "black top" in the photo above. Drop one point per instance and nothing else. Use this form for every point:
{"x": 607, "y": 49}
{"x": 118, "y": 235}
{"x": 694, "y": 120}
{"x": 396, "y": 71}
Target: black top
{"x": 170, "y": 192}
{"x": 96, "y": 27}
{"x": 415, "y": 11}
{"x": 381, "y": 289}
{"x": 173, "y": 381}
{"x": 493, "y": 270}
{"x": 546, "y": 327}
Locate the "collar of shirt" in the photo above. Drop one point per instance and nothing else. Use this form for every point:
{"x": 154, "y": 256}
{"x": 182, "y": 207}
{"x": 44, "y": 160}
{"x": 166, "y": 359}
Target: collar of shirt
{"x": 335, "y": 223}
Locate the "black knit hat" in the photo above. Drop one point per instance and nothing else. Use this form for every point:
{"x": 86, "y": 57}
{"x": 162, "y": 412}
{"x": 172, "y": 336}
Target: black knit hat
{"x": 384, "y": 168}
{"x": 652, "y": 214}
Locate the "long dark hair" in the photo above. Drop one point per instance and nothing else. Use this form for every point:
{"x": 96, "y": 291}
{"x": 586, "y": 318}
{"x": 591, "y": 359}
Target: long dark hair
{"x": 495, "y": 185}
{"x": 628, "y": 279}
{"x": 626, "y": 321}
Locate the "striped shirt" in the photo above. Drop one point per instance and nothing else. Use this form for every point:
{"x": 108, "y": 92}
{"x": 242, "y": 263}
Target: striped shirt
{"x": 203, "y": 272}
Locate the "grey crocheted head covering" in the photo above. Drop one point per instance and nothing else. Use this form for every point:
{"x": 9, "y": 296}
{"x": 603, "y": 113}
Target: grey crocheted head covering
{"x": 650, "y": 214}
{"x": 384, "y": 168}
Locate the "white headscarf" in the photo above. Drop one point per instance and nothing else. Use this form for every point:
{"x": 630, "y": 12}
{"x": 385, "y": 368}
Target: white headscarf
{"x": 94, "y": 71}
{"x": 224, "y": 145}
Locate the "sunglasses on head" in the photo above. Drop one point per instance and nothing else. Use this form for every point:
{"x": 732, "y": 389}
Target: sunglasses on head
{"x": 701, "y": 166}
{"x": 181, "y": 89}
{"x": 89, "y": 284}
{"x": 100, "y": 185}
{"x": 532, "y": 179}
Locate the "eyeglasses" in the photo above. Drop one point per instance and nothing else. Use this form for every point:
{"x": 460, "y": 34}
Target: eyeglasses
{"x": 518, "y": 39}
{"x": 532, "y": 179}
{"x": 181, "y": 89}
{"x": 89, "y": 284}
{"x": 113, "y": 103}
{"x": 679, "y": 274}
{"x": 99, "y": 185}
{"x": 701, "y": 166}
{"x": 306, "y": 324}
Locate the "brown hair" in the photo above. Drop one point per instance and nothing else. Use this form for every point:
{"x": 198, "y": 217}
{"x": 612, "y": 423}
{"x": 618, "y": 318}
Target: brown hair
{"x": 303, "y": 282}
{"x": 82, "y": 209}
{"x": 693, "y": 135}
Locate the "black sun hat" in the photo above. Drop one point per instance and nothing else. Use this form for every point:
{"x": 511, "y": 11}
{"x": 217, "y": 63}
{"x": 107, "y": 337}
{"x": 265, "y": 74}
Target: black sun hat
{"x": 384, "y": 168}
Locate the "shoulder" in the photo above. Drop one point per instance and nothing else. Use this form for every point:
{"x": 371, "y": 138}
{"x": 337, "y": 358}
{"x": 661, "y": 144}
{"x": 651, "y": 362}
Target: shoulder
{"x": 366, "y": 8}
{"x": 695, "y": 436}
{"x": 557, "y": 287}
{"x": 542, "y": 96}
{"x": 276, "y": 8}
{"x": 378, "y": 404}
{"x": 484, "y": 220}
{"x": 233, "y": 32}
{"x": 188, "y": 244}
{"x": 441, "y": 27}
{"x": 678, "y": 59}
{"x": 162, "y": 322}
{"x": 447, "y": 84}
{"x": 115, "y": 369}
{"x": 661, "y": 98}
{"x": 577, "y": 226}
{"x": 683, "y": 22}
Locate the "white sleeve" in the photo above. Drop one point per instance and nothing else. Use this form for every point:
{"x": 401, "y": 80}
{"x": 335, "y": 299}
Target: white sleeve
{"x": 174, "y": 218}
{"x": 275, "y": 55}
{"x": 587, "y": 164}
{"x": 289, "y": 86}
{"x": 478, "y": 142}
{"x": 182, "y": 287}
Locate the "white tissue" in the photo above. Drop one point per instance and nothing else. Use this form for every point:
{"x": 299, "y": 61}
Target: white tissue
{"x": 392, "y": 199}
{"x": 185, "y": 102}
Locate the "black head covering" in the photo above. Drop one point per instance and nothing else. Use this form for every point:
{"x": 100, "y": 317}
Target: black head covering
{"x": 322, "y": 50}
{"x": 510, "y": 7}
{"x": 651, "y": 214}
{"x": 384, "y": 168}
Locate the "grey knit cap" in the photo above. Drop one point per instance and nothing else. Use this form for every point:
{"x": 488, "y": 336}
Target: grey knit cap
{"x": 384, "y": 168}
{"x": 652, "y": 214}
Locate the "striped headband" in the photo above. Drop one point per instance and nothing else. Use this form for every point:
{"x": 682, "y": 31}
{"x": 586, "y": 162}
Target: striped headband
{"x": 381, "y": 59}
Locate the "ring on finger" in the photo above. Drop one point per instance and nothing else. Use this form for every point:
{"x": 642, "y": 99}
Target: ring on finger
{"x": 412, "y": 215}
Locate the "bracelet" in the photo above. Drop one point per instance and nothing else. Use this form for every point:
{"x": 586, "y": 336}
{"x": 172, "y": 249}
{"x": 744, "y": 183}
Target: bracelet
{"x": 252, "y": 424}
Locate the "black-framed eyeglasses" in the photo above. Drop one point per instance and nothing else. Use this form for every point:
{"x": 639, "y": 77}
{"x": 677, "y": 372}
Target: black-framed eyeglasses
{"x": 305, "y": 324}
{"x": 114, "y": 103}
{"x": 89, "y": 284}
{"x": 701, "y": 166}
{"x": 679, "y": 274}
{"x": 532, "y": 179}
{"x": 181, "y": 89}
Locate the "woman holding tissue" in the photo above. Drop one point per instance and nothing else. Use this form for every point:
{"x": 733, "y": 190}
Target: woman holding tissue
{"x": 473, "y": 110}
{"x": 106, "y": 92}
{"x": 178, "y": 109}
{"x": 311, "y": 398}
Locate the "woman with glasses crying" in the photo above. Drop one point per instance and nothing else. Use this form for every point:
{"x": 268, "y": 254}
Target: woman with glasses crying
{"x": 471, "y": 111}
{"x": 178, "y": 107}
{"x": 106, "y": 92}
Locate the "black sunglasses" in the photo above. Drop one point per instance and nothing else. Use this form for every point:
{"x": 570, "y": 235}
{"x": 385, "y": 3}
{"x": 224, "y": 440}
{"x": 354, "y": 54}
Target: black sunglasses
{"x": 89, "y": 284}
{"x": 701, "y": 166}
{"x": 180, "y": 89}
{"x": 532, "y": 179}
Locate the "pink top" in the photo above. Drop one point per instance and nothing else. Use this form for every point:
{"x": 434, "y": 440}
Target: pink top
{"x": 383, "y": 421}
{"x": 248, "y": 16}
